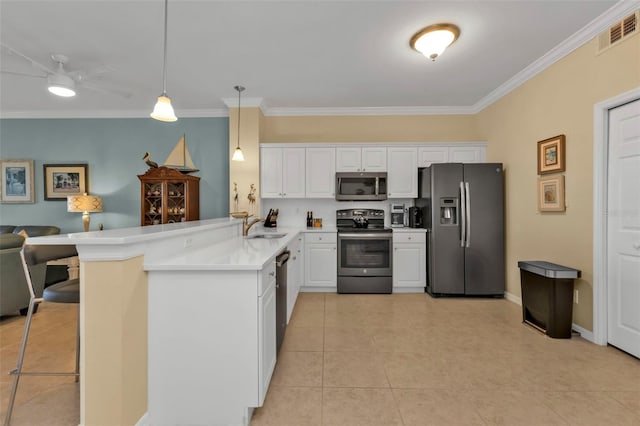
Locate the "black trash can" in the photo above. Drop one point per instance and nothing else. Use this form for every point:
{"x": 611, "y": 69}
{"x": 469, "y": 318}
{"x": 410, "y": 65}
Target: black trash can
{"x": 547, "y": 296}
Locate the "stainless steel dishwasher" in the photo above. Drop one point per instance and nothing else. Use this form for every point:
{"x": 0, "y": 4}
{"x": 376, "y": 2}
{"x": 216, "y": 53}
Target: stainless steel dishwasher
{"x": 281, "y": 296}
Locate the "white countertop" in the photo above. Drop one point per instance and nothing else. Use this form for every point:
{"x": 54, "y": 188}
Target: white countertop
{"x": 238, "y": 253}
{"x": 407, "y": 229}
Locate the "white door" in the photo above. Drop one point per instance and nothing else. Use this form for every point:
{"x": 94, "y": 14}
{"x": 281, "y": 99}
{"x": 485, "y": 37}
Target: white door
{"x": 321, "y": 172}
{"x": 348, "y": 159}
{"x": 623, "y": 224}
{"x": 402, "y": 172}
{"x": 293, "y": 176}
{"x": 374, "y": 159}
{"x": 271, "y": 172}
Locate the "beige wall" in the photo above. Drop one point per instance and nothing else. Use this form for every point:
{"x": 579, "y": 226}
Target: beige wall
{"x": 413, "y": 128}
{"x": 558, "y": 101}
{"x": 247, "y": 172}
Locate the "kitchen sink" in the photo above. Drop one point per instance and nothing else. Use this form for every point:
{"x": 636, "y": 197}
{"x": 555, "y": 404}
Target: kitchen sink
{"x": 268, "y": 236}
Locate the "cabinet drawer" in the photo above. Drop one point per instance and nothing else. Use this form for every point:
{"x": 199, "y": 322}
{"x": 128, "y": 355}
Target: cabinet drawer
{"x": 409, "y": 237}
{"x": 321, "y": 237}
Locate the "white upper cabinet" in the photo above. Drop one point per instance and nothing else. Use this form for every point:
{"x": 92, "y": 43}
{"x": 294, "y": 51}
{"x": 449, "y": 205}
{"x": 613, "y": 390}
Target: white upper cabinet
{"x": 282, "y": 172}
{"x": 402, "y": 172}
{"x": 361, "y": 159}
{"x": 428, "y": 155}
{"x": 466, "y": 154}
{"x": 320, "y": 172}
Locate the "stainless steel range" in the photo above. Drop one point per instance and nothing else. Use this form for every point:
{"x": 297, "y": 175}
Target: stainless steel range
{"x": 364, "y": 252}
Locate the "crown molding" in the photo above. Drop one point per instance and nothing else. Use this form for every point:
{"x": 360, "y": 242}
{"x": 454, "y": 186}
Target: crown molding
{"x": 194, "y": 113}
{"x": 423, "y": 110}
{"x": 578, "y": 39}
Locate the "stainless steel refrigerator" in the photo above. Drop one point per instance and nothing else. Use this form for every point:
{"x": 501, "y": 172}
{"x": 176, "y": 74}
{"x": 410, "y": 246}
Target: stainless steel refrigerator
{"x": 463, "y": 210}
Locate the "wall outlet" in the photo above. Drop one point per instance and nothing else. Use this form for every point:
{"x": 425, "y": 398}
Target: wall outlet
{"x": 576, "y": 296}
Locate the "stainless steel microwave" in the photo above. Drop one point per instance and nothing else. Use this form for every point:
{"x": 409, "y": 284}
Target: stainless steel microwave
{"x": 356, "y": 186}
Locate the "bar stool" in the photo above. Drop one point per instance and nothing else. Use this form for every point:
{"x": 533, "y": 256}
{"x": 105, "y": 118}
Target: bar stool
{"x": 62, "y": 292}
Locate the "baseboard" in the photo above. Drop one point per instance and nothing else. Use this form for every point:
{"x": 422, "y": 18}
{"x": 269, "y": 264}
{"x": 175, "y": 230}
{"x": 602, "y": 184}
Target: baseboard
{"x": 143, "y": 420}
{"x": 409, "y": 290}
{"x": 307, "y": 289}
{"x": 584, "y": 333}
{"x": 513, "y": 298}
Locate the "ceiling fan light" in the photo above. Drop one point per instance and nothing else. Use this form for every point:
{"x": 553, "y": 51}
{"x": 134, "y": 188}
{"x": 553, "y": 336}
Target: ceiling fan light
{"x": 61, "y": 85}
{"x": 163, "y": 111}
{"x": 434, "y": 39}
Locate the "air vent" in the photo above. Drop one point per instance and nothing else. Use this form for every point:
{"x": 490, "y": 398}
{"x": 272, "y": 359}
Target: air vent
{"x": 619, "y": 31}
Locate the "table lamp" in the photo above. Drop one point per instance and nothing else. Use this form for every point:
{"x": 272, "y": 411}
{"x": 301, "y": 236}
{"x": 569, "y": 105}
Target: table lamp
{"x": 84, "y": 204}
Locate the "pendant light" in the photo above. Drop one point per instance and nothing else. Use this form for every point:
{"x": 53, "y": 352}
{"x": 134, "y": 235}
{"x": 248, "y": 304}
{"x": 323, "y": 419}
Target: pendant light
{"x": 163, "y": 111}
{"x": 237, "y": 154}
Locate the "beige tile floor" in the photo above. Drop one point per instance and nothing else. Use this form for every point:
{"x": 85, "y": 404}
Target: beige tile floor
{"x": 381, "y": 360}
{"x": 413, "y": 360}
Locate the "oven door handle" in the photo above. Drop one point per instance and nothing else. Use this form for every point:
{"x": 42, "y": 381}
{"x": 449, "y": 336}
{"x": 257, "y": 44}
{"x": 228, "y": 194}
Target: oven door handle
{"x": 365, "y": 235}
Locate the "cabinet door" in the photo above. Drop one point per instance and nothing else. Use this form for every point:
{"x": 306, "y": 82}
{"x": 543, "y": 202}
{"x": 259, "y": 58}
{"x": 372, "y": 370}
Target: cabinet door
{"x": 320, "y": 172}
{"x": 466, "y": 154}
{"x": 402, "y": 173}
{"x": 349, "y": 159}
{"x": 294, "y": 274}
{"x": 271, "y": 172}
{"x": 293, "y": 176}
{"x": 374, "y": 159}
{"x": 429, "y": 155}
{"x": 409, "y": 265}
{"x": 320, "y": 265}
{"x": 267, "y": 339}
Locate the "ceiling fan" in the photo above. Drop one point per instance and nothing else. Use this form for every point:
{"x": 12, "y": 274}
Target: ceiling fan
{"x": 60, "y": 81}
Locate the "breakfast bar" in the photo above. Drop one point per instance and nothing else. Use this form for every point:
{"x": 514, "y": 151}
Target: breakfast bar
{"x": 141, "y": 363}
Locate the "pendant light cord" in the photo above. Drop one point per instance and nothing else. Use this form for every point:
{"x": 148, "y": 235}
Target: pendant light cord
{"x": 239, "y": 89}
{"x": 164, "y": 68}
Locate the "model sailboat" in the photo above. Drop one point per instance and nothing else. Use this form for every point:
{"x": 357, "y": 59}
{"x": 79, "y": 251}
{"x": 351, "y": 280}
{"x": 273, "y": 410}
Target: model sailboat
{"x": 180, "y": 159}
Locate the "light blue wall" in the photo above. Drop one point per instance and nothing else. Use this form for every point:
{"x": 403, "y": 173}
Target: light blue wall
{"x": 113, "y": 150}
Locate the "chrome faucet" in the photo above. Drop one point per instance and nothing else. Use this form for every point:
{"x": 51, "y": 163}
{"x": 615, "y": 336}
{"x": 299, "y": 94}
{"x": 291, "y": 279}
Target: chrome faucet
{"x": 246, "y": 225}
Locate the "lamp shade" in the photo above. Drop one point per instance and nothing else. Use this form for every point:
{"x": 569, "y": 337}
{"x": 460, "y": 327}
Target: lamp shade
{"x": 84, "y": 203}
{"x": 163, "y": 111}
{"x": 61, "y": 85}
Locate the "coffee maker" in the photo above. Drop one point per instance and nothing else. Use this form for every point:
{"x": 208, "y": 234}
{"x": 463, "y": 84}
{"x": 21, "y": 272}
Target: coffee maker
{"x": 397, "y": 215}
{"x": 415, "y": 217}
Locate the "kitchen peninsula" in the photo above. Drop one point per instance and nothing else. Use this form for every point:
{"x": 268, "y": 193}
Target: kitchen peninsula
{"x": 176, "y": 322}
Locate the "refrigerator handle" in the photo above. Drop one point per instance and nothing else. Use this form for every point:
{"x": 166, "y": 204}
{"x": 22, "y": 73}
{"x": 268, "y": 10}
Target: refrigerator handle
{"x": 463, "y": 215}
{"x": 467, "y": 210}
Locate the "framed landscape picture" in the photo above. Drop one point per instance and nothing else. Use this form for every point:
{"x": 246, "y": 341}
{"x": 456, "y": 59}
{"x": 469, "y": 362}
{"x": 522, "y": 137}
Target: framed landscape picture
{"x": 62, "y": 180}
{"x": 17, "y": 181}
{"x": 551, "y": 155}
{"x": 551, "y": 194}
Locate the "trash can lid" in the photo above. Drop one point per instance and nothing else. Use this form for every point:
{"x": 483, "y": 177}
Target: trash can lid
{"x": 548, "y": 269}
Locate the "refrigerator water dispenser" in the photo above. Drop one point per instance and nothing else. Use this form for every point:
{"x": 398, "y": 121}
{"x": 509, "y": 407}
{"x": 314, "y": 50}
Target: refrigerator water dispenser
{"x": 448, "y": 211}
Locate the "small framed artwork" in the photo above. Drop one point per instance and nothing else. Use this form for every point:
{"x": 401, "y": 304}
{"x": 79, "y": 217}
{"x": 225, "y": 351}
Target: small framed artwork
{"x": 551, "y": 193}
{"x": 551, "y": 155}
{"x": 17, "y": 181}
{"x": 62, "y": 180}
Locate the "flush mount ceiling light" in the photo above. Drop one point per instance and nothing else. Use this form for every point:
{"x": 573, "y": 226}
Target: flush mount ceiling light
{"x": 61, "y": 85}
{"x": 237, "y": 154}
{"x": 434, "y": 39}
{"x": 163, "y": 111}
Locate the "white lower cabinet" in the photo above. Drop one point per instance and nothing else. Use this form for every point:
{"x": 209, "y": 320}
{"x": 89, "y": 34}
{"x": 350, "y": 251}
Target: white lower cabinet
{"x": 295, "y": 272}
{"x": 409, "y": 261}
{"x": 267, "y": 335}
{"x": 320, "y": 260}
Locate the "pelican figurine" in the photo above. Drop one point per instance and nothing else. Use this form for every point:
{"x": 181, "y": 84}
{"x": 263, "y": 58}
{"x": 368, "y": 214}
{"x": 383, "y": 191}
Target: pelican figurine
{"x": 147, "y": 159}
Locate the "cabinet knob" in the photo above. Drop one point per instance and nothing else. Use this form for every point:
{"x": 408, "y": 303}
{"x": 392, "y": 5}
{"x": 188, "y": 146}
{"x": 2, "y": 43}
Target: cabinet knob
{"x": 272, "y": 274}
{"x": 295, "y": 257}
{"x": 408, "y": 238}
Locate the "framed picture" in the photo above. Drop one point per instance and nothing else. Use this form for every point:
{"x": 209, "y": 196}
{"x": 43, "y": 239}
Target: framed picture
{"x": 62, "y": 180}
{"x": 551, "y": 193}
{"x": 17, "y": 181}
{"x": 551, "y": 155}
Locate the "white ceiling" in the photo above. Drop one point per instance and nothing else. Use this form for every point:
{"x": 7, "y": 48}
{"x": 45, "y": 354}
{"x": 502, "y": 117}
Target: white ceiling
{"x": 296, "y": 56}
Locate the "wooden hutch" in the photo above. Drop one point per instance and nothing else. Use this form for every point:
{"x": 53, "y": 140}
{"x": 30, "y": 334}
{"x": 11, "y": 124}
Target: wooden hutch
{"x": 168, "y": 195}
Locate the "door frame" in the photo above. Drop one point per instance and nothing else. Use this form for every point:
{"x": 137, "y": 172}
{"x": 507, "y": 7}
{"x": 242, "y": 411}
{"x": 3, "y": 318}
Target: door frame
{"x": 600, "y": 199}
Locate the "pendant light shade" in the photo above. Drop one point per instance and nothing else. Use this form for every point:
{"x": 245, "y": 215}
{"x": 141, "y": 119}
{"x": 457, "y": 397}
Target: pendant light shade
{"x": 237, "y": 154}
{"x": 434, "y": 39}
{"x": 163, "y": 111}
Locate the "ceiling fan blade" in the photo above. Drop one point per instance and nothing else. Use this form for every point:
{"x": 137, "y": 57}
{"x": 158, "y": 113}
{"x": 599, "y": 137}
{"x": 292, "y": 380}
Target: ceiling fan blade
{"x": 107, "y": 90}
{"x": 22, "y": 74}
{"x": 33, "y": 62}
